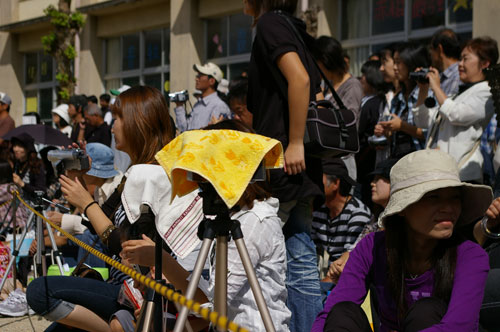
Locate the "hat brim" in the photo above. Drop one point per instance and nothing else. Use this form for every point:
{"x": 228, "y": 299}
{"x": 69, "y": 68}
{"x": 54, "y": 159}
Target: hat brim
{"x": 475, "y": 199}
{"x": 102, "y": 173}
{"x": 114, "y": 92}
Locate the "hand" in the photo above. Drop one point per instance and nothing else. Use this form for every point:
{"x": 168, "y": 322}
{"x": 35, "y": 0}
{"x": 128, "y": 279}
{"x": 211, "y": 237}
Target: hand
{"x": 434, "y": 80}
{"x": 32, "y": 249}
{"x": 75, "y": 193}
{"x": 17, "y": 180}
{"x": 493, "y": 214}
{"x": 141, "y": 252}
{"x": 214, "y": 120}
{"x": 55, "y": 217}
{"x": 337, "y": 267}
{"x": 295, "y": 162}
{"x": 394, "y": 124}
{"x": 82, "y": 124}
{"x": 378, "y": 130}
{"x": 179, "y": 103}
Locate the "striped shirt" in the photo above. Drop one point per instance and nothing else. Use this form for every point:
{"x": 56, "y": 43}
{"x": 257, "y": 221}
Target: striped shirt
{"x": 338, "y": 235}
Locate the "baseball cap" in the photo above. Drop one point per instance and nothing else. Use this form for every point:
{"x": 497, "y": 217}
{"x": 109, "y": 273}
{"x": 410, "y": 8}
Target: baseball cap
{"x": 62, "y": 111}
{"x": 116, "y": 92}
{"x": 335, "y": 166}
{"x": 383, "y": 168}
{"x": 5, "y": 99}
{"x": 103, "y": 162}
{"x": 209, "y": 69}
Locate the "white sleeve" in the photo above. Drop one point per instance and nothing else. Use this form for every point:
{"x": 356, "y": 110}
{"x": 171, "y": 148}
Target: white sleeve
{"x": 72, "y": 224}
{"x": 468, "y": 110}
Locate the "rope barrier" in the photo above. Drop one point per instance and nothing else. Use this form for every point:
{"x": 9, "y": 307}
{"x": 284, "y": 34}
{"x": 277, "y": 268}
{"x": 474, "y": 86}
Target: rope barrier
{"x": 7, "y": 202}
{"x": 220, "y": 321}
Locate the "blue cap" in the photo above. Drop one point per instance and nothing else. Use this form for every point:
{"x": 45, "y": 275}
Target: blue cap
{"x": 103, "y": 165}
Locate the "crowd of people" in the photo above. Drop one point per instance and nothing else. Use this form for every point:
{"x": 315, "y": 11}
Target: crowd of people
{"x": 400, "y": 221}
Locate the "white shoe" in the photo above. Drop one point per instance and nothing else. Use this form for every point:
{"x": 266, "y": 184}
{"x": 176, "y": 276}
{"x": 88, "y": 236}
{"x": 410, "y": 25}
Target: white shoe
{"x": 15, "y": 305}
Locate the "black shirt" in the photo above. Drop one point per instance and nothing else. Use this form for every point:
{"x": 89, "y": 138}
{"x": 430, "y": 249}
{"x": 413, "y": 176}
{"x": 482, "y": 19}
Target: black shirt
{"x": 101, "y": 134}
{"x": 269, "y": 105}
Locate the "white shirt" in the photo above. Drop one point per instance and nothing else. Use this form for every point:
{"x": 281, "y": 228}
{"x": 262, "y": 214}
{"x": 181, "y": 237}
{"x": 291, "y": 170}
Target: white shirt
{"x": 464, "y": 119}
{"x": 265, "y": 242}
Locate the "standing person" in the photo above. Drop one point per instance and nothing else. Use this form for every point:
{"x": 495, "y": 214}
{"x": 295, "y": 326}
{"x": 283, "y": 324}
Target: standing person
{"x": 6, "y": 121}
{"x": 76, "y": 106}
{"x": 60, "y": 117}
{"x": 457, "y": 125}
{"x": 104, "y": 100}
{"x": 277, "y": 50}
{"x": 405, "y": 136}
{"x": 445, "y": 53}
{"x": 209, "y": 107}
{"x": 97, "y": 131}
{"x": 424, "y": 274}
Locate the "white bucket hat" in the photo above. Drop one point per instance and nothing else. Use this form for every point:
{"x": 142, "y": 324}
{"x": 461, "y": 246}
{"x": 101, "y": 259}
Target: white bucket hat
{"x": 423, "y": 171}
{"x": 62, "y": 111}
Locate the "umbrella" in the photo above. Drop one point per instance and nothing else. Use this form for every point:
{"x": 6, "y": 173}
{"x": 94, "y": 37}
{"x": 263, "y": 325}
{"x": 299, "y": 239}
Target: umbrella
{"x": 41, "y": 134}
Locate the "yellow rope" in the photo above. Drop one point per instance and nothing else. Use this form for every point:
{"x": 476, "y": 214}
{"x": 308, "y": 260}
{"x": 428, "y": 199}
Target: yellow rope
{"x": 7, "y": 202}
{"x": 209, "y": 315}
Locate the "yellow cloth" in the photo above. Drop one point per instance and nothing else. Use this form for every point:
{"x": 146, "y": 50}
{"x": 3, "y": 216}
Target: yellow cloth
{"x": 226, "y": 158}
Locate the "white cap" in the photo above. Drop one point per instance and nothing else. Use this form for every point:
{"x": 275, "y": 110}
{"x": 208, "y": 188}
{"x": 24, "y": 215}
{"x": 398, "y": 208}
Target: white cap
{"x": 62, "y": 111}
{"x": 210, "y": 69}
{"x": 223, "y": 86}
{"x": 5, "y": 99}
{"x": 116, "y": 92}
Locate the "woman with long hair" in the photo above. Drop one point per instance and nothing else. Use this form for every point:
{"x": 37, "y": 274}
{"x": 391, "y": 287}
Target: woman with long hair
{"x": 457, "y": 125}
{"x": 424, "y": 274}
{"x": 141, "y": 128}
{"x": 283, "y": 80}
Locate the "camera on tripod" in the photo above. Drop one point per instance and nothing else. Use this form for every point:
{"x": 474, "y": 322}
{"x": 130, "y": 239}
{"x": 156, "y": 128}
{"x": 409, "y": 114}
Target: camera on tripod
{"x": 179, "y": 96}
{"x": 420, "y": 76}
{"x": 74, "y": 159}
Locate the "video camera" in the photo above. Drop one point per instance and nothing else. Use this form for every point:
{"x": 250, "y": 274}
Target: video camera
{"x": 74, "y": 159}
{"x": 179, "y": 96}
{"x": 420, "y": 76}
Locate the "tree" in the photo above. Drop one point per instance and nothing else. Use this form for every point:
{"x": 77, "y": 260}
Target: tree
{"x": 61, "y": 45}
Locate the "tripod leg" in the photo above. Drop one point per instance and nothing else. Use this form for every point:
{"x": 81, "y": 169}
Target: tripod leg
{"x": 40, "y": 248}
{"x": 220, "y": 294}
{"x": 254, "y": 284}
{"x": 15, "y": 253}
{"x": 193, "y": 283}
{"x": 57, "y": 253}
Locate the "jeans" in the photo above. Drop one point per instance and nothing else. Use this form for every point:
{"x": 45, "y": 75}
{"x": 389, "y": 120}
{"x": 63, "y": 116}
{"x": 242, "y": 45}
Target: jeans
{"x": 302, "y": 277}
{"x": 55, "y": 297}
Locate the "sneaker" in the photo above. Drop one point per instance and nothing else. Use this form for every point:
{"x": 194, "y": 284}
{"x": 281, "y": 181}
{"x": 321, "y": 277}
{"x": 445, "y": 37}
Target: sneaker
{"x": 15, "y": 305}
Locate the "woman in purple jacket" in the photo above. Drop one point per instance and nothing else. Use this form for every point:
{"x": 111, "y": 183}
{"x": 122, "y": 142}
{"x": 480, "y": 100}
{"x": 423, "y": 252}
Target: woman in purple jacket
{"x": 425, "y": 276}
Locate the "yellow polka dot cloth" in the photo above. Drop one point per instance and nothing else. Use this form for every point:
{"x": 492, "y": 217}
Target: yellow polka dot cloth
{"x": 226, "y": 158}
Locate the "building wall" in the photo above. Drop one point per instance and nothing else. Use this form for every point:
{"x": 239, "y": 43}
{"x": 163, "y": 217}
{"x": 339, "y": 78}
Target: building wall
{"x": 485, "y": 16}
{"x": 11, "y": 72}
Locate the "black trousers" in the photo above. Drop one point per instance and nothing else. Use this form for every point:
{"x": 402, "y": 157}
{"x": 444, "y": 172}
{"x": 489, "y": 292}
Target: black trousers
{"x": 349, "y": 317}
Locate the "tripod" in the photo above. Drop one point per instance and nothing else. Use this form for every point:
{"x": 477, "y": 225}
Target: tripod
{"x": 221, "y": 228}
{"x": 40, "y": 263}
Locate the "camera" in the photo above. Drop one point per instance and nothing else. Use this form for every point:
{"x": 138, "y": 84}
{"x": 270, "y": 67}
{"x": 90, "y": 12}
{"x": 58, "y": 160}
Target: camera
{"x": 74, "y": 159}
{"x": 179, "y": 96}
{"x": 420, "y": 76}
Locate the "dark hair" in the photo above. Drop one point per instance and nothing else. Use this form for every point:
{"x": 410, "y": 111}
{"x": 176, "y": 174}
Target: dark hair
{"x": 254, "y": 191}
{"x": 443, "y": 260}
{"x": 92, "y": 99}
{"x": 448, "y": 40}
{"x": 390, "y": 49}
{"x": 238, "y": 89}
{"x": 62, "y": 123}
{"x": 288, "y": 6}
{"x": 33, "y": 163}
{"x": 376, "y": 55}
{"x": 485, "y": 48}
{"x": 5, "y": 172}
{"x": 146, "y": 124}
{"x": 344, "y": 186}
{"x": 373, "y": 75}
{"x": 79, "y": 101}
{"x": 329, "y": 52}
{"x": 106, "y": 97}
{"x": 414, "y": 56}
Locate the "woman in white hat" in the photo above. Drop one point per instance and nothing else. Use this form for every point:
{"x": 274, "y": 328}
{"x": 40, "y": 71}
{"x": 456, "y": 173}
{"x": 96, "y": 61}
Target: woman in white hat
{"x": 60, "y": 117}
{"x": 425, "y": 275}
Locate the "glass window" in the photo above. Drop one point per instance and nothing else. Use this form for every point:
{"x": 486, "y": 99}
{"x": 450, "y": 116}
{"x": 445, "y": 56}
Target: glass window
{"x": 154, "y": 81}
{"x": 357, "y": 57}
{"x": 112, "y": 55}
{"x": 112, "y": 84}
{"x": 427, "y": 13}
{"x": 31, "y": 68}
{"x": 236, "y": 69}
{"x": 131, "y": 81}
{"x": 45, "y": 68}
{"x": 460, "y": 11}
{"x": 240, "y": 34}
{"x": 31, "y": 101}
{"x": 130, "y": 52}
{"x": 217, "y": 38}
{"x": 166, "y": 85}
{"x": 152, "y": 52}
{"x": 46, "y": 102}
{"x": 355, "y": 18}
{"x": 166, "y": 46}
{"x": 388, "y": 16}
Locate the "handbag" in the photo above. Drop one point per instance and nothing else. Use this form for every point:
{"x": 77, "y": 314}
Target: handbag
{"x": 330, "y": 131}
{"x": 82, "y": 270}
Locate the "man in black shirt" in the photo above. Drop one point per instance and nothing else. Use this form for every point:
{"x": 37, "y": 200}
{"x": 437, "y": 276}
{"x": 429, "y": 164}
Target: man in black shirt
{"x": 99, "y": 132}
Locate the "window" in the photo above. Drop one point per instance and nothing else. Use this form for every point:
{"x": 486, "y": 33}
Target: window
{"x": 229, "y": 43}
{"x": 141, "y": 58}
{"x": 40, "y": 84}
{"x": 369, "y": 25}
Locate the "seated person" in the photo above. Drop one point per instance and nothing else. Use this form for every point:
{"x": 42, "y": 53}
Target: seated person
{"x": 424, "y": 274}
{"x": 237, "y": 99}
{"x": 338, "y": 223}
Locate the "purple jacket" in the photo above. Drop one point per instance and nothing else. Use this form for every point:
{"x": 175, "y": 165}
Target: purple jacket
{"x": 367, "y": 265}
